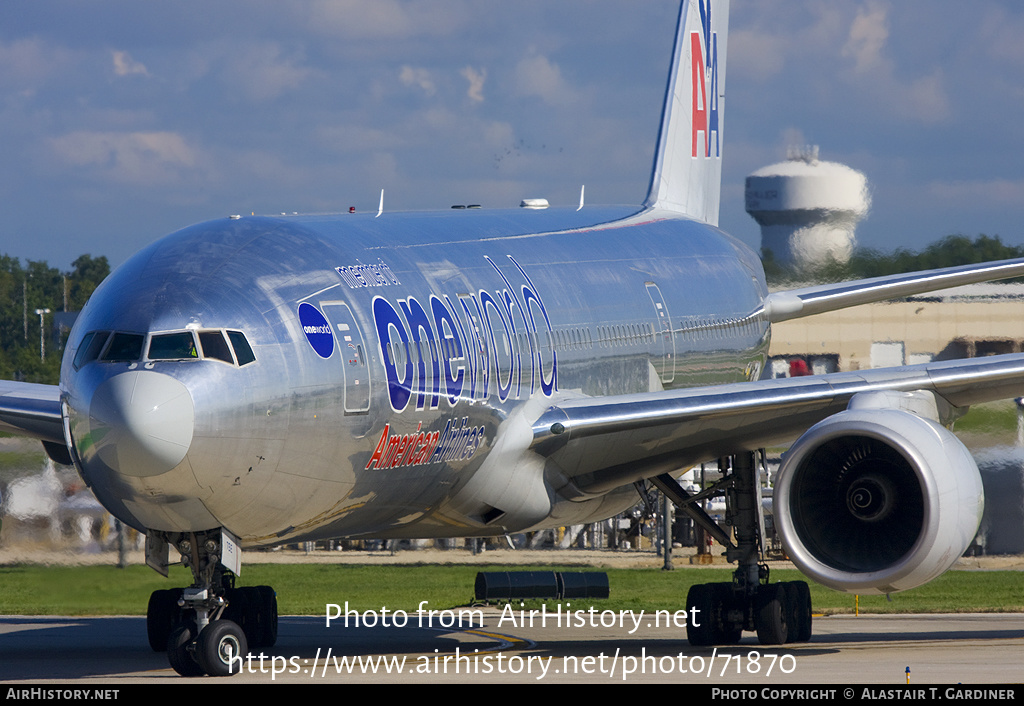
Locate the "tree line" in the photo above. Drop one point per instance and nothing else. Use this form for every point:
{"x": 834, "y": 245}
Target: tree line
{"x": 950, "y": 251}
{"x": 24, "y": 289}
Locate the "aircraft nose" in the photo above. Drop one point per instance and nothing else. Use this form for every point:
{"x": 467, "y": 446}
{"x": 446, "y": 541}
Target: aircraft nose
{"x": 142, "y": 422}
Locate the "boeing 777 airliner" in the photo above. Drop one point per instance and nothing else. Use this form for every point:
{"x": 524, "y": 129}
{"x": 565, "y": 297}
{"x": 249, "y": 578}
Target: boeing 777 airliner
{"x": 253, "y": 381}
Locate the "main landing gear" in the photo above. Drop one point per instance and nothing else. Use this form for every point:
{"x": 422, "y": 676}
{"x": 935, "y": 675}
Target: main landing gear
{"x": 778, "y": 612}
{"x": 209, "y": 627}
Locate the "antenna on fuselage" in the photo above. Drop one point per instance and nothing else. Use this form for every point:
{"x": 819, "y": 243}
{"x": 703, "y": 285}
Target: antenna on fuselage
{"x": 380, "y": 206}
{"x": 582, "y": 188}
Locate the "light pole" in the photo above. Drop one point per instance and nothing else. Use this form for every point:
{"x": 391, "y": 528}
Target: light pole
{"x": 42, "y": 339}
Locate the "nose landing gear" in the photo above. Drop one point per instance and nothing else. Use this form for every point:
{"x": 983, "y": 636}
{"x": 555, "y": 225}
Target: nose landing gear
{"x": 208, "y": 628}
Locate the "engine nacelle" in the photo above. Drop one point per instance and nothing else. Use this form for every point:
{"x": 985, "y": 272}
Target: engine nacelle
{"x": 877, "y": 501}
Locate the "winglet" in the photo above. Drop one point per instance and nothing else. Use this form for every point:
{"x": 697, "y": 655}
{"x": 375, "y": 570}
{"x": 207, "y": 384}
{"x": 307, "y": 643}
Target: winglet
{"x": 687, "y": 174}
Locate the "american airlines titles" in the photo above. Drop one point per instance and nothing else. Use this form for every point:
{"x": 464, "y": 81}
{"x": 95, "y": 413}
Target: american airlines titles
{"x": 454, "y": 351}
{"x": 458, "y": 442}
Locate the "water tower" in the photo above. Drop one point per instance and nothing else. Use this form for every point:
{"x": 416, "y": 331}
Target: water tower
{"x": 807, "y": 209}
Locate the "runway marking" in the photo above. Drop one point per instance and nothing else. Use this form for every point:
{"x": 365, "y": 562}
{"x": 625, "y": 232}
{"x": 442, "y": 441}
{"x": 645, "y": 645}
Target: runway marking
{"x": 509, "y": 641}
{"x": 505, "y": 642}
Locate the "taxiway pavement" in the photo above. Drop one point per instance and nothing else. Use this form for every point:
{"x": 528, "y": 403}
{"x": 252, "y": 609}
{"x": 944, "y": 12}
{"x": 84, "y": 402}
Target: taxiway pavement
{"x": 938, "y": 649}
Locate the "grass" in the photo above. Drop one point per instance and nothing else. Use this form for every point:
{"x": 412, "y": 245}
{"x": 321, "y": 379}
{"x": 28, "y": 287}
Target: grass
{"x": 994, "y": 418}
{"x": 305, "y": 589}
{"x": 18, "y": 464}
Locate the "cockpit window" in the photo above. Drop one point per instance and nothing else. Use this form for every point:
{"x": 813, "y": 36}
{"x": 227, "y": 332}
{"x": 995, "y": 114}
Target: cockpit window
{"x": 173, "y": 346}
{"x": 124, "y": 347}
{"x": 90, "y": 347}
{"x": 214, "y": 346}
{"x": 229, "y": 347}
{"x": 243, "y": 352}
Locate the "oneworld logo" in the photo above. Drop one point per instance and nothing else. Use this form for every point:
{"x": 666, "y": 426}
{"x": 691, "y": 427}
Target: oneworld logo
{"x": 317, "y": 330}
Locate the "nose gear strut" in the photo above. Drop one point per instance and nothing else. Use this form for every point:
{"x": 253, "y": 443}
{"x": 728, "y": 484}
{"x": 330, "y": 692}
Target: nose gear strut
{"x": 208, "y": 627}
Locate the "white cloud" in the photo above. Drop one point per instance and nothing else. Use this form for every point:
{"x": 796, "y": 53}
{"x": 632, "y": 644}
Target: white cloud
{"x": 413, "y": 76}
{"x": 923, "y": 99}
{"x": 125, "y": 65}
{"x": 926, "y": 98}
{"x": 144, "y": 158}
{"x": 999, "y": 34}
{"x": 836, "y": 53}
{"x": 766, "y": 39}
{"x": 262, "y": 72}
{"x": 497, "y": 134}
{"x": 536, "y": 75}
{"x": 388, "y": 19}
{"x": 29, "y": 61}
{"x": 476, "y": 83}
{"x": 867, "y": 38}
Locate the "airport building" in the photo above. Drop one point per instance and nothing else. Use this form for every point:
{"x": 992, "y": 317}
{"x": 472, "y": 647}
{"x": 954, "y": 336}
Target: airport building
{"x": 966, "y": 322}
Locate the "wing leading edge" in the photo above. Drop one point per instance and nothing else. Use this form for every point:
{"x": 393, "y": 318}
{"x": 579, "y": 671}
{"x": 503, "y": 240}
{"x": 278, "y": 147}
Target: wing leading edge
{"x": 602, "y": 443}
{"x": 807, "y": 301}
{"x": 28, "y": 409}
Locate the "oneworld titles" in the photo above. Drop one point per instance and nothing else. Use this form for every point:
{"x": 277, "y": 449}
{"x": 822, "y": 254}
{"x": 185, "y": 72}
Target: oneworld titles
{"x": 373, "y": 275}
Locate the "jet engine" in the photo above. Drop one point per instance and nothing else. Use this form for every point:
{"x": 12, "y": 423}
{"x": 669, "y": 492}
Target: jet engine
{"x": 877, "y": 501}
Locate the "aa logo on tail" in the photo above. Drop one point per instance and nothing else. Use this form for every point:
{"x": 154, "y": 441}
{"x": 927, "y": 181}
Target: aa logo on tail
{"x": 704, "y": 83}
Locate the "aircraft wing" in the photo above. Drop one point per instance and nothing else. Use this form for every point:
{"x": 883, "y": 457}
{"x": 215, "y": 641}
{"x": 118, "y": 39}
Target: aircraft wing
{"x": 806, "y": 301}
{"x": 28, "y": 409}
{"x": 602, "y": 443}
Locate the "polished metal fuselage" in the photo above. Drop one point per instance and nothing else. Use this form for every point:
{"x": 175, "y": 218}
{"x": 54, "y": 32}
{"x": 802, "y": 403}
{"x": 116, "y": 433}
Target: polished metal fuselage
{"x": 449, "y": 334}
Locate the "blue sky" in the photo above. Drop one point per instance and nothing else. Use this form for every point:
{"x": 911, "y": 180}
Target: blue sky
{"x": 122, "y": 121}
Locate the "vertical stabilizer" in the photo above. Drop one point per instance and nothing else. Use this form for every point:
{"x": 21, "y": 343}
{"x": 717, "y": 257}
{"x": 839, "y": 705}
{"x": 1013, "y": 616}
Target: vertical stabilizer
{"x": 687, "y": 175}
